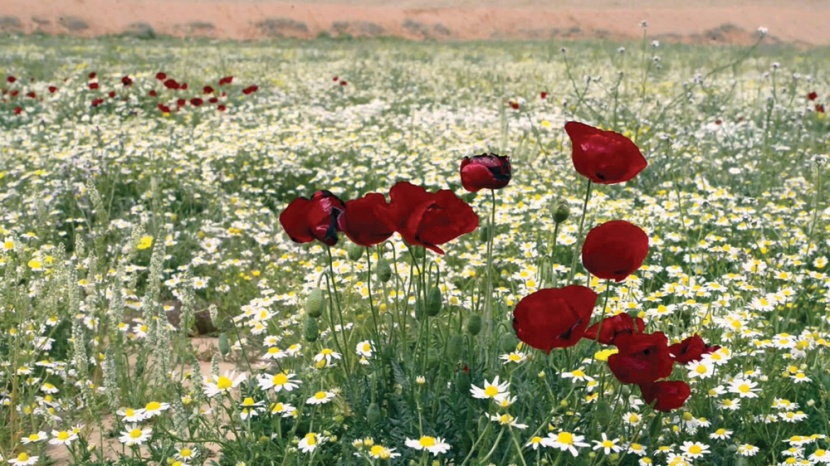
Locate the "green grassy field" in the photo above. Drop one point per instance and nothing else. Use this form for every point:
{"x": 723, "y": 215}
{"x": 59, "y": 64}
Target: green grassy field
{"x": 129, "y": 218}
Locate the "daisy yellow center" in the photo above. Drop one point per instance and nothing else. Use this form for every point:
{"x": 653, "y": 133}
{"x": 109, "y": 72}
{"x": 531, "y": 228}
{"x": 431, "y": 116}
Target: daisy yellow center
{"x": 607, "y": 444}
{"x": 224, "y": 383}
{"x": 721, "y": 431}
{"x": 280, "y": 379}
{"x": 63, "y": 435}
{"x": 578, "y": 373}
{"x": 427, "y": 442}
{"x": 820, "y": 452}
{"x": 744, "y": 388}
{"x": 695, "y": 449}
{"x": 376, "y": 450}
{"x": 636, "y": 447}
{"x": 505, "y": 418}
{"x": 366, "y": 347}
{"x": 565, "y": 438}
{"x": 311, "y": 439}
{"x": 326, "y": 352}
{"x": 536, "y": 439}
{"x": 129, "y": 412}
{"x": 701, "y": 369}
{"x": 491, "y": 391}
{"x": 320, "y": 395}
{"x": 248, "y": 401}
{"x": 48, "y": 386}
{"x": 153, "y": 406}
{"x": 273, "y": 350}
{"x": 22, "y": 457}
{"x": 687, "y": 417}
{"x": 34, "y": 437}
{"x": 186, "y": 453}
{"x": 515, "y": 357}
{"x": 634, "y": 418}
{"x": 135, "y": 433}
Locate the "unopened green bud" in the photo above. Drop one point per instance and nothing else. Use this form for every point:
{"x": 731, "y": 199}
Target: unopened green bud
{"x": 355, "y": 251}
{"x": 418, "y": 252}
{"x": 484, "y": 233}
{"x": 561, "y": 213}
{"x": 314, "y": 303}
{"x": 462, "y": 381}
{"x": 224, "y": 344}
{"x": 474, "y": 324}
{"x": 310, "y": 331}
{"x": 434, "y": 301}
{"x": 384, "y": 271}
{"x": 373, "y": 414}
{"x": 508, "y": 342}
{"x": 455, "y": 345}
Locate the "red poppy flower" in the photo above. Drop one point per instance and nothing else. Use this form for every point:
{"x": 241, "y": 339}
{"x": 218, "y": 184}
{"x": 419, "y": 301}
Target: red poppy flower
{"x": 429, "y": 219}
{"x": 543, "y": 95}
{"x": 181, "y": 103}
{"x": 15, "y": 93}
{"x": 614, "y": 250}
{"x": 207, "y": 90}
{"x": 93, "y": 75}
{"x": 603, "y": 157}
{"x": 317, "y": 218}
{"x": 344, "y": 83}
{"x": 691, "y": 349}
{"x": 153, "y": 93}
{"x": 127, "y": 81}
{"x": 611, "y": 327}
{"x": 812, "y": 96}
{"x": 183, "y": 86}
{"x": 513, "y": 104}
{"x": 53, "y": 89}
{"x": 196, "y": 102}
{"x": 97, "y": 102}
{"x": 31, "y": 95}
{"x": 161, "y": 76}
{"x": 171, "y": 84}
{"x": 11, "y": 79}
{"x": 642, "y": 357}
{"x": 367, "y": 221}
{"x": 666, "y": 395}
{"x": 250, "y": 90}
{"x": 554, "y": 317}
{"x": 164, "y": 108}
{"x": 111, "y": 94}
{"x": 226, "y": 80}
{"x": 213, "y": 100}
{"x": 485, "y": 171}
{"x": 335, "y": 78}
{"x": 819, "y": 108}
{"x": 94, "y": 86}
{"x": 221, "y": 108}
{"x": 18, "y": 110}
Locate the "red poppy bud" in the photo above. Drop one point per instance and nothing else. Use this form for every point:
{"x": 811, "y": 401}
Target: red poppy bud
{"x": 554, "y": 317}
{"x": 250, "y": 90}
{"x": 18, "y": 110}
{"x": 642, "y": 358}
{"x": 181, "y": 103}
{"x": 430, "y": 219}
{"x": 486, "y": 171}
{"x": 612, "y": 326}
{"x": 344, "y": 83}
{"x": 335, "y": 79}
{"x": 691, "y": 349}
{"x": 614, "y": 250}
{"x": 183, "y": 86}
{"x": 819, "y": 108}
{"x": 31, "y": 95}
{"x": 305, "y": 220}
{"x": 514, "y": 105}
{"x": 213, "y": 100}
{"x": 367, "y": 221}
{"x": 111, "y": 94}
{"x": 666, "y": 395}
{"x": 604, "y": 157}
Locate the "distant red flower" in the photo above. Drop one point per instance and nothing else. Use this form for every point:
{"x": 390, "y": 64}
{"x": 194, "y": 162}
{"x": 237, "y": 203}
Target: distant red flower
{"x": 171, "y": 84}
{"x": 666, "y": 395}
{"x": 603, "y": 157}
{"x": 213, "y": 100}
{"x": 111, "y": 94}
{"x": 153, "y": 93}
{"x": 554, "y": 317}
{"x": 642, "y": 358}
{"x": 221, "y": 108}
{"x": 94, "y": 86}
{"x": 226, "y": 80}
{"x": 485, "y": 171}
{"x": 196, "y": 102}
{"x": 181, "y": 103}
{"x": 335, "y": 79}
{"x": 613, "y": 326}
{"x": 344, "y": 83}
{"x": 250, "y": 90}
{"x": 514, "y": 104}
{"x": 543, "y": 95}
{"x": 812, "y": 96}
{"x": 161, "y": 76}
{"x": 52, "y": 89}
{"x": 127, "y": 81}
{"x": 97, "y": 102}
{"x": 614, "y": 250}
{"x": 691, "y": 349}
{"x": 31, "y": 95}
{"x": 367, "y": 221}
{"x": 93, "y": 75}
{"x": 164, "y": 108}
{"x": 430, "y": 219}
{"x": 183, "y": 86}
{"x": 11, "y": 79}
{"x": 15, "y": 93}
{"x": 305, "y": 220}
{"x": 207, "y": 90}
{"x": 18, "y": 110}
{"x": 819, "y": 108}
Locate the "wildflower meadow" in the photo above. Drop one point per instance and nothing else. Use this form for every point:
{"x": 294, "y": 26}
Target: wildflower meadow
{"x": 387, "y": 252}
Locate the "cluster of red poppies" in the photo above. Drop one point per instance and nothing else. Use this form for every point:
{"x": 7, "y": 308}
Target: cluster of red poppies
{"x": 812, "y": 96}
{"x": 174, "y": 101}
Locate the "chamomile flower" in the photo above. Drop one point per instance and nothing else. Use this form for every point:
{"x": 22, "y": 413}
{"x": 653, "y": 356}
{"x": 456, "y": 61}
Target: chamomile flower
{"x": 215, "y": 385}
{"x": 434, "y": 445}
{"x": 328, "y": 355}
{"x": 63, "y": 437}
{"x": 516, "y": 357}
{"x": 631, "y": 418}
{"x": 133, "y": 435}
{"x": 577, "y": 374}
{"x": 507, "y": 420}
{"x": 637, "y": 449}
{"x": 702, "y": 369}
{"x": 748, "y": 450}
{"x": 535, "y": 442}
{"x": 694, "y": 449}
{"x": 34, "y": 438}
{"x": 23, "y": 459}
{"x": 567, "y": 441}
{"x": 321, "y": 397}
{"x": 279, "y": 381}
{"x": 187, "y": 454}
{"x": 607, "y": 445}
{"x": 283, "y": 409}
{"x": 365, "y": 349}
{"x": 274, "y": 353}
{"x": 310, "y": 442}
{"x": 250, "y": 408}
{"x": 744, "y": 388}
{"x": 379, "y": 452}
{"x": 493, "y": 390}
{"x": 820, "y": 456}
{"x": 721, "y": 434}
{"x": 154, "y": 408}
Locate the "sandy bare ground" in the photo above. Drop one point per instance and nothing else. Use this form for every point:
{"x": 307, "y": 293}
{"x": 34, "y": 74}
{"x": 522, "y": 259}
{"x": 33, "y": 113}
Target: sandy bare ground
{"x": 700, "y": 21}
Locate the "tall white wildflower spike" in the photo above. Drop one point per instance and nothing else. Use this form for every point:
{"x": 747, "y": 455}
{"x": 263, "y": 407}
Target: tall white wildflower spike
{"x": 214, "y": 365}
{"x": 117, "y": 300}
{"x": 188, "y": 302}
{"x": 111, "y": 381}
{"x": 100, "y": 211}
{"x": 150, "y": 305}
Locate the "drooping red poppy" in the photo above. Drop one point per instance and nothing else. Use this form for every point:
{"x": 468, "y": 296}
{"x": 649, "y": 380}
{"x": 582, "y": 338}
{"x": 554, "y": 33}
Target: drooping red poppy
{"x": 368, "y": 221}
{"x": 614, "y": 250}
{"x": 691, "y": 349}
{"x": 305, "y": 220}
{"x": 196, "y": 102}
{"x": 161, "y": 76}
{"x": 611, "y": 327}
{"x": 812, "y": 95}
{"x": 430, "y": 219}
{"x": 666, "y": 395}
{"x": 603, "y": 157}
{"x": 485, "y": 171}
{"x": 554, "y": 317}
{"x": 642, "y": 357}
{"x": 250, "y": 89}
{"x": 127, "y": 81}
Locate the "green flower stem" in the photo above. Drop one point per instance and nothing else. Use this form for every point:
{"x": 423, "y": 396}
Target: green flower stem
{"x": 579, "y": 232}
{"x": 488, "y": 292}
{"x": 334, "y": 298}
{"x": 371, "y": 300}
